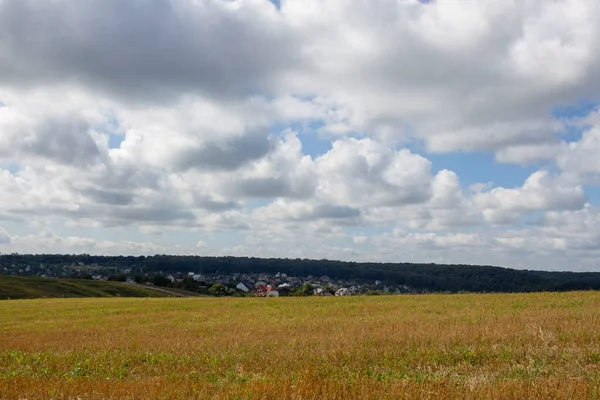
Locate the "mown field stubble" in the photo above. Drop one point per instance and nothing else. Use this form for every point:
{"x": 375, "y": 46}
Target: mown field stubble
{"x": 535, "y": 346}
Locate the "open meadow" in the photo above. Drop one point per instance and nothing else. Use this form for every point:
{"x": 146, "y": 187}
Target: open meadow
{"x": 505, "y": 346}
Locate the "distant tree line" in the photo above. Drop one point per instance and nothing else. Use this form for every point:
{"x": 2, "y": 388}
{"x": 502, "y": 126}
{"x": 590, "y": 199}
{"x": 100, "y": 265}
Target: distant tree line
{"x": 424, "y": 277}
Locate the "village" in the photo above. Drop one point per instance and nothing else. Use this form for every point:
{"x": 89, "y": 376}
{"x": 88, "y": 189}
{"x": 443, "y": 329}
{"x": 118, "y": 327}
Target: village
{"x": 280, "y": 284}
{"x": 217, "y": 284}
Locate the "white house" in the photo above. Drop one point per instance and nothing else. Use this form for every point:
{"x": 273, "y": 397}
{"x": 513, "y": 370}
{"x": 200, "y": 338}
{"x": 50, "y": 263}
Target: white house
{"x": 242, "y": 287}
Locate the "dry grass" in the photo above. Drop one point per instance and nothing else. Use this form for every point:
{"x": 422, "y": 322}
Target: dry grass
{"x": 534, "y": 346}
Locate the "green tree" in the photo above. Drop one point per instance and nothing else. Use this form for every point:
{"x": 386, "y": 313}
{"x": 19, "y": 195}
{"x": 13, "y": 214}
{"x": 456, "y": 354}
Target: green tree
{"x": 306, "y": 290}
{"x": 118, "y": 277}
{"x": 160, "y": 280}
{"x": 218, "y": 289}
{"x": 190, "y": 284}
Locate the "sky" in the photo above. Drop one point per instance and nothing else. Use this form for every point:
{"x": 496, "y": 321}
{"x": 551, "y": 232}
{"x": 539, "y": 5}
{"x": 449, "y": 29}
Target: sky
{"x": 442, "y": 131}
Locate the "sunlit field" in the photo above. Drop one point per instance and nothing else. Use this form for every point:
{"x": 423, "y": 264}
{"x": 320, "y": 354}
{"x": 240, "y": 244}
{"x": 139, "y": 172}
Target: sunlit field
{"x": 521, "y": 346}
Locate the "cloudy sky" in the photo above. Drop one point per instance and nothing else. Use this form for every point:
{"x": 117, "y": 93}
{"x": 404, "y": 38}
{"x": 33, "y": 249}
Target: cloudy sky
{"x": 454, "y": 131}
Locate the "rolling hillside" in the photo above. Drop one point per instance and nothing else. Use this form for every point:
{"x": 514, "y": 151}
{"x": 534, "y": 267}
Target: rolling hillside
{"x": 17, "y": 287}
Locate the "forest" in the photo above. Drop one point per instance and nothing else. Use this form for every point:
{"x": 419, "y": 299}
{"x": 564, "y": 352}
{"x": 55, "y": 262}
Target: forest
{"x": 423, "y": 277}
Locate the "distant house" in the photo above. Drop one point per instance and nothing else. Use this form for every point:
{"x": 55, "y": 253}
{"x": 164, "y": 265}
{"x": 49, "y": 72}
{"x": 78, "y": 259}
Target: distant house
{"x": 198, "y": 278}
{"x": 343, "y": 292}
{"x": 242, "y": 287}
{"x": 272, "y": 293}
{"x": 171, "y": 278}
{"x": 284, "y": 286}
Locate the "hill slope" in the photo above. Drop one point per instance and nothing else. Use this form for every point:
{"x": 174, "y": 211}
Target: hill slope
{"x": 19, "y": 287}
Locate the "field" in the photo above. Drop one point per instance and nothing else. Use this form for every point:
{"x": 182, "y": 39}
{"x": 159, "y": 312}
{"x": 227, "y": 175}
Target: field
{"x": 20, "y": 287}
{"x": 511, "y": 346}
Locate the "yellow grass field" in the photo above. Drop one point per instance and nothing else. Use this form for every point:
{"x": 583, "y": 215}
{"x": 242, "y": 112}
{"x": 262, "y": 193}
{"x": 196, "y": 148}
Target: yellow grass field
{"x": 506, "y": 346}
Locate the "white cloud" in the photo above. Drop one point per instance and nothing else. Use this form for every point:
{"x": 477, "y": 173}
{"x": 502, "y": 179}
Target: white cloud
{"x": 582, "y": 157}
{"x": 364, "y": 172}
{"x": 145, "y": 50}
{"x": 531, "y": 153}
{"x": 541, "y": 191}
{"x": 360, "y": 239}
{"x": 474, "y": 75}
{"x": 197, "y": 115}
{"x": 45, "y": 243}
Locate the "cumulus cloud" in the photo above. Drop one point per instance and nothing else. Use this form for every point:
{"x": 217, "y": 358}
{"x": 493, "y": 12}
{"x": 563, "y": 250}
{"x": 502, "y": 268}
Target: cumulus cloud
{"x": 285, "y": 172}
{"x": 541, "y": 191}
{"x": 366, "y": 173}
{"x": 146, "y": 50}
{"x": 303, "y": 211}
{"x": 482, "y": 75}
{"x": 581, "y": 157}
{"x": 210, "y": 115}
